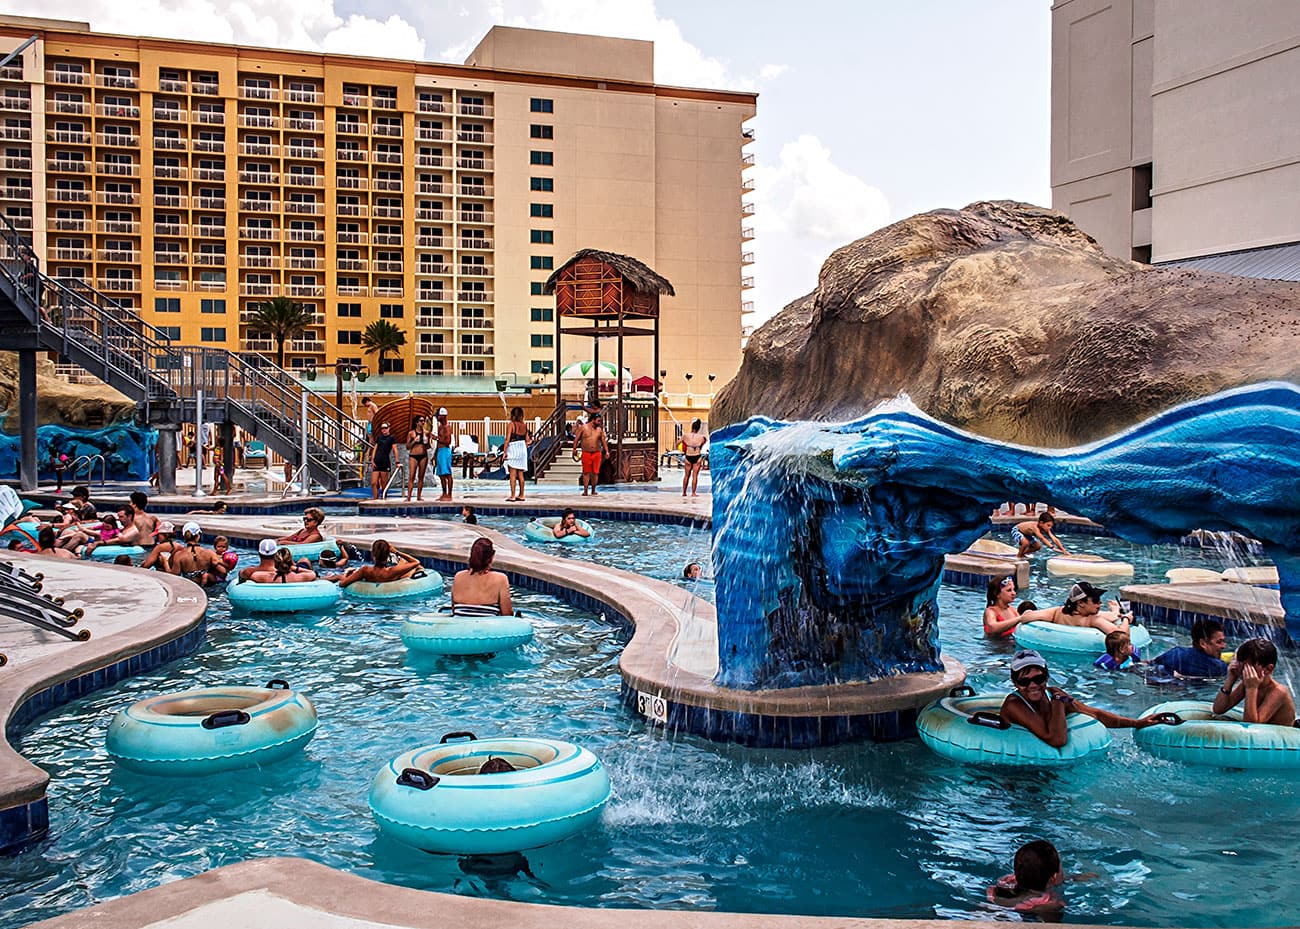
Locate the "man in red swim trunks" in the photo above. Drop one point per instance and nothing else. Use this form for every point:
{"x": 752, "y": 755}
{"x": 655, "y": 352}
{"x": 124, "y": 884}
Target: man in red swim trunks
{"x": 591, "y": 438}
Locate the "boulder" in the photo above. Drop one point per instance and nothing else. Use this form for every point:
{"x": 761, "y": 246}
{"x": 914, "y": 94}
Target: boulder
{"x": 1005, "y": 319}
{"x": 58, "y": 402}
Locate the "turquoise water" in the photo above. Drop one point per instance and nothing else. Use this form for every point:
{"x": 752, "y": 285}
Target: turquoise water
{"x": 853, "y": 830}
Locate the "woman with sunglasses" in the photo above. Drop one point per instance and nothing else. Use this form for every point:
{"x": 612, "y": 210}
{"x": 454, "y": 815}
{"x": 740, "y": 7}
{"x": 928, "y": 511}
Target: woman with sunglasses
{"x": 1001, "y": 616}
{"x": 312, "y": 519}
{"x": 1042, "y": 709}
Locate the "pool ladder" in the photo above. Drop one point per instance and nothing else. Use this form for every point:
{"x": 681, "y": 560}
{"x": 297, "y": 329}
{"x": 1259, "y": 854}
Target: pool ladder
{"x": 88, "y": 461}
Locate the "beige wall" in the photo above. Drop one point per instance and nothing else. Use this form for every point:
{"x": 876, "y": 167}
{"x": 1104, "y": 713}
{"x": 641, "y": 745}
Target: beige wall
{"x": 509, "y": 49}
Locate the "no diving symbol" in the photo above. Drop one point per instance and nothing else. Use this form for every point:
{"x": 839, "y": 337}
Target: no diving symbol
{"x": 652, "y": 706}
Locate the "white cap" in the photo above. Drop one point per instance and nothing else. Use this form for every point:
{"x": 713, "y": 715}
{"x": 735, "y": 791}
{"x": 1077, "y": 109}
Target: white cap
{"x": 442, "y": 411}
{"x": 191, "y": 528}
{"x": 267, "y": 547}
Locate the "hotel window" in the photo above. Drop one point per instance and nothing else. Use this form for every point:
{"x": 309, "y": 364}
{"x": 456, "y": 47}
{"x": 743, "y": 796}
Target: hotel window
{"x": 541, "y": 210}
{"x": 350, "y": 310}
{"x": 170, "y": 332}
{"x": 541, "y": 158}
{"x": 349, "y": 336}
{"x": 541, "y": 314}
{"x": 219, "y": 277}
{"x": 472, "y": 106}
{"x": 541, "y": 105}
{"x": 391, "y": 311}
{"x": 212, "y": 306}
{"x": 541, "y": 183}
{"x": 212, "y": 334}
{"x": 472, "y": 367}
{"x": 541, "y": 131}
{"x": 539, "y": 340}
{"x": 167, "y": 304}
{"x": 541, "y": 263}
{"x": 164, "y": 276}
{"x": 535, "y": 288}
{"x": 541, "y": 236}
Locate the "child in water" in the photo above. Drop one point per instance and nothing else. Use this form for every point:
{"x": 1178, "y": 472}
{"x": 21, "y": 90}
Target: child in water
{"x": 1033, "y": 888}
{"x": 1120, "y": 653}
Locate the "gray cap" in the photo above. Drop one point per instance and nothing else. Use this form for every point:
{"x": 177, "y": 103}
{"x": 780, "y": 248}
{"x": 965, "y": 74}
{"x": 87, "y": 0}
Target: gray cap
{"x": 1027, "y": 658}
{"x": 1084, "y": 591}
{"x": 266, "y": 548}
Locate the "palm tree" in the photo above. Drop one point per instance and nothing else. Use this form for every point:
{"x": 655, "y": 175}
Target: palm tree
{"x": 284, "y": 318}
{"x": 382, "y": 338}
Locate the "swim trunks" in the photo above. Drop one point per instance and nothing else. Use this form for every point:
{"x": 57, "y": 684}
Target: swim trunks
{"x": 442, "y": 461}
{"x": 591, "y": 462}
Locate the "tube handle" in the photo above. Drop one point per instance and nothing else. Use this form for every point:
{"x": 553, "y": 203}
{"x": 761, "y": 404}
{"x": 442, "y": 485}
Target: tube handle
{"x": 457, "y": 735}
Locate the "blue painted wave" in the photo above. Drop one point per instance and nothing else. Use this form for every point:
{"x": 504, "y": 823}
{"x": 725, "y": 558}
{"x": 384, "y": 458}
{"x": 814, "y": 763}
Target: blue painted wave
{"x": 829, "y": 538}
{"x": 128, "y": 450}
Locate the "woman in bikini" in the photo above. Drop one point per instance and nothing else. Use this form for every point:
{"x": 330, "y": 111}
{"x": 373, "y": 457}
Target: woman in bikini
{"x": 284, "y": 571}
{"x": 693, "y": 444}
{"x": 1001, "y": 616}
{"x": 417, "y": 449}
{"x": 517, "y": 439}
{"x": 312, "y": 519}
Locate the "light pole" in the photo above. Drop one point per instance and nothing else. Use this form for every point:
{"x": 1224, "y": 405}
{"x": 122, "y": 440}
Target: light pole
{"x": 712, "y": 378}
{"x": 343, "y": 371}
{"x": 689, "y": 401}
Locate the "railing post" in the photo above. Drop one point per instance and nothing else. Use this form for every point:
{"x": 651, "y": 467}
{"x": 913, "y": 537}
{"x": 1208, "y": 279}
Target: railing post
{"x": 306, "y": 469}
{"x": 198, "y": 443}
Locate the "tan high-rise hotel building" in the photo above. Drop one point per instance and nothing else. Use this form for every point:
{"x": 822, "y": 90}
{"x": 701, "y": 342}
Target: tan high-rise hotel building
{"x": 194, "y": 180}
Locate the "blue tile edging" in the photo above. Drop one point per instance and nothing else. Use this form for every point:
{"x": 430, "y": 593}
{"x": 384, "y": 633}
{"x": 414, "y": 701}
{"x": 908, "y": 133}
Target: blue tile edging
{"x": 27, "y": 823}
{"x": 1233, "y": 628}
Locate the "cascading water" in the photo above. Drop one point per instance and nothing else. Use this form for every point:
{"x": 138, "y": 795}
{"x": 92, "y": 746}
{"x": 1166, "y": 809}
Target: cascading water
{"x": 829, "y": 539}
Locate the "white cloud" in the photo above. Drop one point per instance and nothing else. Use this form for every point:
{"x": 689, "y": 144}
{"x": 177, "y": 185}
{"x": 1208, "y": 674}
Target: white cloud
{"x": 808, "y": 195}
{"x": 771, "y": 72}
{"x": 309, "y": 25}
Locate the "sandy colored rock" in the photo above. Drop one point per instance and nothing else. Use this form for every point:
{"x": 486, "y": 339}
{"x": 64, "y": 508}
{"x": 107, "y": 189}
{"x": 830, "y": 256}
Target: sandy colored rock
{"x": 1005, "y": 319}
{"x": 58, "y": 402}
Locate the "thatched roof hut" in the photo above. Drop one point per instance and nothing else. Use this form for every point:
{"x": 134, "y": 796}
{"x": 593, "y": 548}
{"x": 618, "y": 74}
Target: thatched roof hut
{"x": 640, "y": 275}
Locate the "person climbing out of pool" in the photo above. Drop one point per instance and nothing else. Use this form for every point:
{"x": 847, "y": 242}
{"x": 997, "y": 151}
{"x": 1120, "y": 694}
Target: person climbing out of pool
{"x": 1032, "y": 887}
{"x": 496, "y": 766}
{"x": 388, "y": 565}
{"x": 693, "y": 444}
{"x": 266, "y": 553}
{"x": 1202, "y": 657}
{"x": 193, "y": 562}
{"x": 479, "y": 590}
{"x": 1033, "y": 534}
{"x": 1082, "y": 608}
{"x": 590, "y": 438}
{"x": 1042, "y": 709}
{"x": 312, "y": 519}
{"x": 1250, "y": 679}
{"x": 283, "y": 570}
{"x": 1000, "y": 617}
{"x": 569, "y": 525}
{"x": 165, "y": 548}
{"x": 1120, "y": 655}
{"x": 692, "y": 571}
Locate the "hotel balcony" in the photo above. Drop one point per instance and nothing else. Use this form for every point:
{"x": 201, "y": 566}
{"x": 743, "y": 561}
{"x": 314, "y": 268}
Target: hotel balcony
{"x": 747, "y": 209}
{"x": 304, "y": 208}
{"x": 357, "y": 101}
{"x": 119, "y": 284}
{"x": 431, "y": 241}
{"x": 385, "y": 183}
{"x": 349, "y": 128}
{"x": 304, "y": 125}
{"x": 307, "y": 346}
{"x": 351, "y": 209}
{"x": 258, "y": 233}
{"x": 69, "y": 196}
{"x": 259, "y": 261}
{"x": 305, "y": 180}
{"x": 433, "y": 135}
{"x": 171, "y": 285}
{"x": 211, "y": 259}
{"x": 747, "y": 185}
{"x": 210, "y": 285}
{"x": 474, "y": 164}
{"x": 170, "y": 201}
{"x": 477, "y": 138}
{"x": 69, "y": 107}
{"x": 476, "y": 245}
{"x": 430, "y": 187}
{"x": 352, "y": 183}
{"x": 304, "y": 153}
{"x": 259, "y": 177}
{"x": 114, "y": 227}
{"x": 260, "y": 206}
{"x": 471, "y": 349}
{"x": 67, "y": 225}
{"x": 352, "y": 264}
{"x": 746, "y": 161}
{"x": 15, "y": 103}
{"x": 432, "y": 346}
{"x": 118, "y": 112}
{"x": 255, "y": 345}
{"x": 117, "y": 140}
{"x": 171, "y": 258}
{"x": 388, "y": 158}
{"x": 383, "y": 103}
{"x": 433, "y": 296}
{"x": 385, "y": 129}
{"x": 475, "y": 109}
{"x": 432, "y": 161}
{"x": 73, "y": 254}
{"x": 210, "y": 117}
{"x": 120, "y": 168}
{"x": 305, "y": 235}
{"x": 210, "y": 174}
{"x": 207, "y": 231}
{"x": 168, "y": 144}
{"x": 382, "y": 291}
{"x": 747, "y": 234}
{"x": 16, "y": 193}
{"x": 432, "y": 106}
{"x": 476, "y": 190}
{"x": 746, "y": 136}
{"x": 76, "y": 78}
{"x": 306, "y": 290}
{"x": 483, "y": 217}
{"x": 304, "y": 96}
{"x": 388, "y": 267}
{"x": 172, "y": 229}
{"x": 204, "y": 88}
{"x": 430, "y": 321}
{"x": 117, "y": 198}
{"x": 746, "y": 283}
{"x": 345, "y": 154}
{"x": 170, "y": 86}
{"x": 476, "y": 270}
{"x": 351, "y": 290}
{"x": 21, "y": 133}
{"x": 258, "y": 93}
{"x": 217, "y": 146}
{"x": 388, "y": 212}
{"x": 258, "y": 122}
{"x": 475, "y": 322}
{"x": 474, "y": 296}
{"x": 169, "y": 172}
{"x": 388, "y": 238}
{"x": 62, "y": 136}
{"x": 55, "y": 165}
{"x": 256, "y": 148}
{"x": 256, "y": 290}
{"x": 118, "y": 81}
{"x": 433, "y": 216}
{"x": 301, "y": 263}
{"x": 746, "y": 258}
{"x": 352, "y": 238}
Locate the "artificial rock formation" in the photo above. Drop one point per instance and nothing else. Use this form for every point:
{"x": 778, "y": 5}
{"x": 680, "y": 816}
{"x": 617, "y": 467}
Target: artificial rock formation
{"x": 1007, "y": 320}
{"x": 58, "y": 402}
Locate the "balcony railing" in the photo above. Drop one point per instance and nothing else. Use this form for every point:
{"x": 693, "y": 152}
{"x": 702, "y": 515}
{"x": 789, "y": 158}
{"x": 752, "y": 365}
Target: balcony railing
{"x": 356, "y": 100}
{"x": 259, "y": 261}
{"x": 15, "y": 103}
{"x": 433, "y": 216}
{"x": 476, "y": 244}
{"x": 387, "y": 183}
{"x": 747, "y": 209}
{"x": 22, "y": 133}
{"x": 70, "y": 107}
{"x": 69, "y": 225}
{"x": 258, "y": 122}
{"x": 474, "y": 296}
{"x": 247, "y": 92}
{"x": 746, "y": 233}
{"x": 120, "y": 168}
{"x": 18, "y": 192}
{"x": 118, "y": 81}
{"x": 208, "y": 231}
{"x": 173, "y": 201}
{"x": 478, "y": 138}
{"x": 174, "y": 229}
{"x": 171, "y": 85}
{"x": 746, "y": 283}
{"x": 432, "y": 346}
{"x": 352, "y": 264}
{"x": 432, "y": 322}
{"x": 476, "y": 270}
{"x": 747, "y": 258}
{"x": 119, "y": 112}
{"x": 210, "y": 117}
{"x": 117, "y": 198}
{"x": 258, "y": 233}
{"x": 305, "y": 235}
{"x": 304, "y": 96}
{"x": 73, "y": 254}
{"x": 431, "y": 241}
{"x": 746, "y": 160}
{"x": 167, "y": 284}
{"x": 301, "y": 263}
{"x": 305, "y": 125}
{"x": 388, "y": 212}
{"x": 209, "y": 145}
{"x": 306, "y": 290}
{"x": 210, "y": 174}
{"x": 54, "y": 135}
{"x": 474, "y": 164}
{"x": 257, "y": 148}
{"x": 69, "y": 196}
{"x": 304, "y": 152}
{"x": 347, "y": 154}
{"x": 210, "y": 285}
{"x": 77, "y": 78}
{"x": 118, "y": 228}
{"x": 383, "y": 103}
{"x": 476, "y": 190}
{"x": 118, "y": 140}
{"x": 475, "y": 216}
{"x": 433, "y": 135}
{"x": 209, "y": 203}
{"x": 388, "y": 238}
{"x": 474, "y": 349}
{"x": 388, "y": 267}
{"x": 389, "y": 291}
{"x": 351, "y": 290}
{"x": 476, "y": 322}
{"x": 119, "y": 284}
{"x": 171, "y": 172}
{"x": 388, "y": 158}
{"x": 351, "y": 238}
{"x": 256, "y": 290}
{"x": 431, "y": 161}
{"x": 170, "y": 258}
{"x": 304, "y": 207}
{"x": 259, "y": 177}
{"x": 169, "y": 144}
{"x": 433, "y": 296}
{"x": 351, "y": 209}
{"x": 432, "y": 106}
{"x": 352, "y": 183}
{"x": 350, "y": 128}
{"x": 259, "y": 206}
{"x": 475, "y": 109}
{"x": 62, "y": 165}
{"x": 305, "y": 180}
{"x": 211, "y": 259}
{"x": 204, "y": 88}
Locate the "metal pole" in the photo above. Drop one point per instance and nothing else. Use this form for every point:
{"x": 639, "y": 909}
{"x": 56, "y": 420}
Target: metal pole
{"x": 305, "y": 477}
{"x": 28, "y": 466}
{"x": 198, "y": 443}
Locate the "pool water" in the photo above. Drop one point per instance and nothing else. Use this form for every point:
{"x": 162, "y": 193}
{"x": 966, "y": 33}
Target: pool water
{"x": 854, "y": 830}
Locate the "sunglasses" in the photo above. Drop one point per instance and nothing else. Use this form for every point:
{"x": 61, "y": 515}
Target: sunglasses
{"x": 1027, "y": 680}
{"x": 308, "y": 519}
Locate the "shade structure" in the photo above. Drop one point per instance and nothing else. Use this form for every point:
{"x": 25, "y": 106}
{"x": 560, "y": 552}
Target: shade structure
{"x": 586, "y": 369}
{"x": 644, "y": 382}
{"x": 399, "y": 414}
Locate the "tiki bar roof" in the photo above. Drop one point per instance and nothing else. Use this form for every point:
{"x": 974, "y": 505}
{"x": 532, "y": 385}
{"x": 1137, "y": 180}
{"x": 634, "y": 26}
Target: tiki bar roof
{"x": 636, "y": 273}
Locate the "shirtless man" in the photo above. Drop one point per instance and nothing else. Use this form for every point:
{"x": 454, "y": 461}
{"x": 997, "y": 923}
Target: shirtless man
{"x": 480, "y": 588}
{"x": 160, "y": 558}
{"x": 143, "y": 525}
{"x": 442, "y": 453}
{"x": 1083, "y": 608}
{"x": 389, "y": 565}
{"x": 266, "y": 552}
{"x": 568, "y": 525}
{"x": 1033, "y": 534}
{"x": 1250, "y": 677}
{"x": 201, "y": 565}
{"x": 591, "y": 439}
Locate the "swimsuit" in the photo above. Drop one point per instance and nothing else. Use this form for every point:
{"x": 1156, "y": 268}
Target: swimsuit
{"x": 475, "y": 609}
{"x": 383, "y": 451}
{"x": 421, "y": 442}
{"x": 517, "y": 449}
{"x": 691, "y": 459}
{"x": 591, "y": 462}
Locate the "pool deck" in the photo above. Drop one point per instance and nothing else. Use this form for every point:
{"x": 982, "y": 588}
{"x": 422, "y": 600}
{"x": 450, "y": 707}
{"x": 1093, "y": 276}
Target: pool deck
{"x": 292, "y": 893}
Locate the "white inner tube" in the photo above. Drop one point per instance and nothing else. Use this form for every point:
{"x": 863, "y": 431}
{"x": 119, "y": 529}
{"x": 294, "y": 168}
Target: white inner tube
{"x": 1087, "y": 566}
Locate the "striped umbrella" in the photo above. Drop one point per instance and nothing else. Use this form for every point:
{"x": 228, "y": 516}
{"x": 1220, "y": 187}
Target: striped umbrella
{"x": 584, "y": 370}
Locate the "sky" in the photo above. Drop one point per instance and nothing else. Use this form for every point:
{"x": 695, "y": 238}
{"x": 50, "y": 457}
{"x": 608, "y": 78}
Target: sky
{"x": 869, "y": 110}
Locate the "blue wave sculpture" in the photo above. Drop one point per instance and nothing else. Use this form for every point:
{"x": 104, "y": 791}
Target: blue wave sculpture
{"x": 829, "y": 539}
{"x": 128, "y": 450}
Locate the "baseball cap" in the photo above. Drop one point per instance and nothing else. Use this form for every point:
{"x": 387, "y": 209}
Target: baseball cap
{"x": 165, "y": 527}
{"x": 1027, "y": 658}
{"x": 442, "y": 411}
{"x": 191, "y": 528}
{"x": 266, "y": 548}
{"x": 1084, "y": 591}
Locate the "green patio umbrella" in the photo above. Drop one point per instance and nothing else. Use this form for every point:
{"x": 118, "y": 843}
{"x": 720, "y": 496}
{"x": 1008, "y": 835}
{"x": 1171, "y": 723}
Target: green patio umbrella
{"x": 584, "y": 370}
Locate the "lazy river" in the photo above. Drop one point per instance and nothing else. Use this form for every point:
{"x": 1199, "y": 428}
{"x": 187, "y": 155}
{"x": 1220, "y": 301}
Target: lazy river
{"x": 854, "y": 830}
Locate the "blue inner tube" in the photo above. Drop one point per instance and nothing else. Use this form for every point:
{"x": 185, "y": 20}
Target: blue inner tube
{"x": 1053, "y": 637}
{"x": 211, "y": 729}
{"x": 539, "y": 530}
{"x": 444, "y": 634}
{"x": 429, "y": 583}
{"x": 110, "y": 552}
{"x": 283, "y": 598}
{"x": 23, "y": 530}
{"x": 1221, "y": 741}
{"x": 311, "y": 549}
{"x": 433, "y": 797}
{"x": 945, "y": 726}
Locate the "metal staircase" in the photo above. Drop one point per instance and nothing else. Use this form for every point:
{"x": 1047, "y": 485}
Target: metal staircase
{"x": 87, "y": 328}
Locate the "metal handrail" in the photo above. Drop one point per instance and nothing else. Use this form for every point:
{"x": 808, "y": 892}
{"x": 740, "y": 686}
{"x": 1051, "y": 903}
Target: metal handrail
{"x": 553, "y": 428}
{"x": 397, "y": 472}
{"x": 89, "y": 461}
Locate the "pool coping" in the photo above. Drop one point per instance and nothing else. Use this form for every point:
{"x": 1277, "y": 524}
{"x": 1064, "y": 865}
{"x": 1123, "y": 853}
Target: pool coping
{"x": 294, "y": 893}
{"x": 26, "y": 692}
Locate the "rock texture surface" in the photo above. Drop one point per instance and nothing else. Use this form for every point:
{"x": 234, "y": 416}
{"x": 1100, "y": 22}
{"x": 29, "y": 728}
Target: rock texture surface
{"x": 59, "y": 402}
{"x": 1005, "y": 319}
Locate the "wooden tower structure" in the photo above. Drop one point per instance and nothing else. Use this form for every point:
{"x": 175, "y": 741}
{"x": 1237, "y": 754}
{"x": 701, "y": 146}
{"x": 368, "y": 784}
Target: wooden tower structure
{"x": 602, "y": 295}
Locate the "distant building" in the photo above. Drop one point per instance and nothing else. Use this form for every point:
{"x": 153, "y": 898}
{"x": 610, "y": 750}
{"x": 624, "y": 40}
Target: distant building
{"x": 193, "y": 181}
{"x": 1176, "y": 130}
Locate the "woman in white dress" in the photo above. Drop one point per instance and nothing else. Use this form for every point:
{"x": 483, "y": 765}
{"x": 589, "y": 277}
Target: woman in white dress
{"x": 517, "y": 441}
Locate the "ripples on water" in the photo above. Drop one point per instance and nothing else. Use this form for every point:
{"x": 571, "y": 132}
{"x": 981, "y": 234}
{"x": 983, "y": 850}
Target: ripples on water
{"x": 880, "y": 830}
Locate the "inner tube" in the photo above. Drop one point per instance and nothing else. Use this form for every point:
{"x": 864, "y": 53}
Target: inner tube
{"x": 951, "y": 728}
{"x": 110, "y": 552}
{"x": 211, "y": 729}
{"x": 311, "y": 549}
{"x": 434, "y": 799}
{"x": 539, "y": 530}
{"x": 302, "y": 597}
{"x": 1054, "y": 637}
{"x": 1087, "y": 566}
{"x": 426, "y": 583}
{"x": 446, "y": 634}
{"x": 1219, "y": 741}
